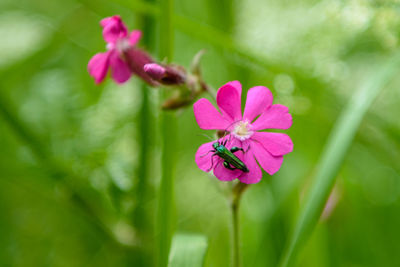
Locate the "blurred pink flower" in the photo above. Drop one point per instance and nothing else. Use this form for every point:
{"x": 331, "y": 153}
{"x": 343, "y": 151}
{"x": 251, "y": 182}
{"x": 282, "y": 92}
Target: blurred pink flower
{"x": 119, "y": 41}
{"x": 244, "y": 131}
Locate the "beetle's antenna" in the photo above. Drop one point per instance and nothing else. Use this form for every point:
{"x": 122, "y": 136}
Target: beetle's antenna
{"x": 248, "y": 148}
{"x": 202, "y": 156}
{"x": 208, "y": 137}
{"x": 226, "y": 129}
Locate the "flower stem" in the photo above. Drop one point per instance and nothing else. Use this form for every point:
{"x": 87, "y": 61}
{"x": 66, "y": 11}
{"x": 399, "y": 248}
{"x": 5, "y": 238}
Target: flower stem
{"x": 142, "y": 190}
{"x": 236, "y": 249}
{"x": 168, "y": 126}
{"x": 237, "y": 192}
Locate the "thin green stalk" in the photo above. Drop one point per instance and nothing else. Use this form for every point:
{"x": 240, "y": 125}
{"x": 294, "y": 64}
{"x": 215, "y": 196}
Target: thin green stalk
{"x": 166, "y": 195}
{"x": 168, "y": 127}
{"x": 235, "y": 239}
{"x": 334, "y": 153}
{"x": 237, "y": 193}
{"x": 141, "y": 192}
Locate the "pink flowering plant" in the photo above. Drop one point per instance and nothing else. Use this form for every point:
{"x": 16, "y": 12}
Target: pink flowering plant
{"x": 119, "y": 40}
{"x": 244, "y": 149}
{"x": 123, "y": 58}
{"x": 245, "y": 131}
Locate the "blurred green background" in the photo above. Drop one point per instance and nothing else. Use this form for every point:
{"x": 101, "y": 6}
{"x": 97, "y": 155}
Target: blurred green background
{"x": 70, "y": 161}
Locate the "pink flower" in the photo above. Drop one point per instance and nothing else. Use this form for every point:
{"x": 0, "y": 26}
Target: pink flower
{"x": 119, "y": 41}
{"x": 244, "y": 131}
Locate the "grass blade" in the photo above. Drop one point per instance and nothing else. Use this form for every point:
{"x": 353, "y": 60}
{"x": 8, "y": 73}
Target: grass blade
{"x": 188, "y": 250}
{"x": 334, "y": 152}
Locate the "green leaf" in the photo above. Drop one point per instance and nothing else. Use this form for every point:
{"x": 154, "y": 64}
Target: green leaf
{"x": 331, "y": 160}
{"x": 188, "y": 250}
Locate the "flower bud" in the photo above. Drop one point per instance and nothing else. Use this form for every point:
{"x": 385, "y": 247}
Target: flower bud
{"x": 167, "y": 74}
{"x": 155, "y": 71}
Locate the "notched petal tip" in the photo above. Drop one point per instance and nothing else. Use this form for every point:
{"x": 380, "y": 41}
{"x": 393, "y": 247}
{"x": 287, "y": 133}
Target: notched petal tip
{"x": 229, "y": 100}
{"x": 275, "y": 117}
{"x": 259, "y": 99}
{"x": 237, "y": 85}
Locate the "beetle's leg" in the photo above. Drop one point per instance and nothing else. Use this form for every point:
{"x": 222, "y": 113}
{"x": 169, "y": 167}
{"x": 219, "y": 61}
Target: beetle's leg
{"x": 202, "y": 156}
{"x": 248, "y": 148}
{"x": 224, "y": 142}
{"x": 212, "y": 162}
{"x": 235, "y": 149}
{"x": 226, "y": 165}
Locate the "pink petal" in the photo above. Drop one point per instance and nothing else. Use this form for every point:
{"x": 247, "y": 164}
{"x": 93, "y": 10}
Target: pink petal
{"x": 259, "y": 98}
{"x": 276, "y": 117}
{"x": 135, "y": 37}
{"x": 207, "y": 117}
{"x": 271, "y": 164}
{"x": 277, "y": 144}
{"x": 113, "y": 29}
{"x": 98, "y": 66}
{"x": 237, "y": 85}
{"x": 225, "y": 174}
{"x": 229, "y": 100}
{"x": 255, "y": 174}
{"x": 203, "y": 157}
{"x": 120, "y": 71}
{"x": 104, "y": 22}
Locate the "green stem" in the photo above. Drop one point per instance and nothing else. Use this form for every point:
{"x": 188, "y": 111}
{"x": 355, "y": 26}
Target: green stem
{"x": 235, "y": 221}
{"x": 237, "y": 195}
{"x": 168, "y": 127}
{"x": 166, "y": 29}
{"x": 165, "y": 212}
{"x": 141, "y": 191}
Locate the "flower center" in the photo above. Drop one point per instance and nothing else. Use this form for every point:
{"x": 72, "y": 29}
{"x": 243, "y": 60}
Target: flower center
{"x": 242, "y": 130}
{"x": 121, "y": 45}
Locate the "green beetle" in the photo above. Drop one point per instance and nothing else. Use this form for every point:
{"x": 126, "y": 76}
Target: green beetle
{"x": 231, "y": 162}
